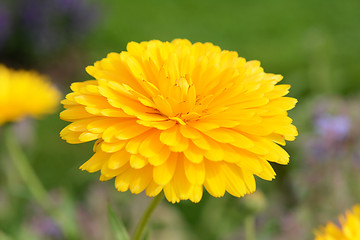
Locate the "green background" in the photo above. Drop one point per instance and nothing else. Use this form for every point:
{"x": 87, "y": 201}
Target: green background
{"x": 313, "y": 44}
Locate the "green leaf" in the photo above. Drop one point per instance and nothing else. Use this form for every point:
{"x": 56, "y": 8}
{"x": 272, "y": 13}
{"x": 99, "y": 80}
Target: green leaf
{"x": 117, "y": 226}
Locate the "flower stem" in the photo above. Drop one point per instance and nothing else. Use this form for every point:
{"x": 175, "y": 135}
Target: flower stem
{"x": 142, "y": 224}
{"x": 34, "y": 184}
{"x": 24, "y": 168}
{"x": 250, "y": 227}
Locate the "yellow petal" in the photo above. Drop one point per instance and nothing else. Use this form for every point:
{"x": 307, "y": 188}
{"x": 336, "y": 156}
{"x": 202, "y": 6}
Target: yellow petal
{"x": 95, "y": 162}
{"x": 171, "y": 136}
{"x": 190, "y": 132}
{"x": 99, "y": 125}
{"x": 214, "y": 180}
{"x": 267, "y": 172}
{"x": 80, "y": 125}
{"x": 277, "y": 138}
{"x": 276, "y": 153}
{"x": 170, "y": 194}
{"x": 216, "y": 152}
{"x": 163, "y": 105}
{"x": 153, "y": 189}
{"x": 109, "y": 173}
{"x": 285, "y": 103}
{"x": 151, "y": 146}
{"x": 259, "y": 129}
{"x": 116, "y": 113}
{"x": 113, "y": 147}
{"x": 278, "y": 91}
{"x": 252, "y": 103}
{"x": 137, "y": 161}
{"x": 221, "y": 134}
{"x": 195, "y": 172}
{"x": 128, "y": 105}
{"x": 70, "y": 136}
{"x": 242, "y": 158}
{"x": 194, "y": 154}
{"x": 249, "y": 181}
{"x": 241, "y": 140}
{"x": 110, "y": 133}
{"x": 131, "y": 132}
{"x": 92, "y": 101}
{"x": 96, "y": 146}
{"x": 202, "y": 143}
{"x": 181, "y": 146}
{"x": 87, "y": 136}
{"x": 141, "y": 179}
{"x": 134, "y": 48}
{"x": 180, "y": 182}
{"x": 203, "y": 126}
{"x": 118, "y": 159}
{"x": 75, "y": 113}
{"x": 289, "y": 130}
{"x": 161, "y": 125}
{"x": 161, "y": 157}
{"x": 133, "y": 145}
{"x": 122, "y": 182}
{"x": 233, "y": 179}
{"x": 163, "y": 173}
{"x": 196, "y": 193}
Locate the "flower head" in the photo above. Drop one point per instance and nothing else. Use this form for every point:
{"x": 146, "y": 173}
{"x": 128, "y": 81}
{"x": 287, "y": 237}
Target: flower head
{"x": 24, "y": 93}
{"x": 177, "y": 117}
{"x": 349, "y": 228}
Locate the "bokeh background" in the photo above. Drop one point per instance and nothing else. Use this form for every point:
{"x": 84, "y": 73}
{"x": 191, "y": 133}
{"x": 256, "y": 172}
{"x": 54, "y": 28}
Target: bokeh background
{"x": 313, "y": 44}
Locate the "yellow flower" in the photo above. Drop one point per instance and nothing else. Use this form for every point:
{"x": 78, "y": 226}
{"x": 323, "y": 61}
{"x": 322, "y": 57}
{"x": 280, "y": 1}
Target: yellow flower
{"x": 24, "y": 93}
{"x": 177, "y": 117}
{"x": 349, "y": 229}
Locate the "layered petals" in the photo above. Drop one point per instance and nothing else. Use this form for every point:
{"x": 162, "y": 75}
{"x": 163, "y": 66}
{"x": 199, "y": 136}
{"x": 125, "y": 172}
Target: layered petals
{"x": 27, "y": 93}
{"x": 180, "y": 117}
{"x": 348, "y": 229}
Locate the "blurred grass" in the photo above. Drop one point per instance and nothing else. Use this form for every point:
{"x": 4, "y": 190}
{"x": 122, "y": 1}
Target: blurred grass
{"x": 57, "y": 161}
{"x": 289, "y": 37}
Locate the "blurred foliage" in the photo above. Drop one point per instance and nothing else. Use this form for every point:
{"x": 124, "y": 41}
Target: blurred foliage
{"x": 313, "y": 44}
{"x": 34, "y": 32}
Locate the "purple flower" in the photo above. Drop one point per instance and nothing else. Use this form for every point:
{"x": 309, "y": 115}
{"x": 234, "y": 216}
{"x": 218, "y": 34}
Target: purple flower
{"x": 45, "y": 226}
{"x": 333, "y": 127}
{"x": 50, "y": 24}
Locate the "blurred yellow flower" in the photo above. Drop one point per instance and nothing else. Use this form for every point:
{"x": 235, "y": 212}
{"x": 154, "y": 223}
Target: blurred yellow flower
{"x": 25, "y": 93}
{"x": 177, "y": 117}
{"x": 349, "y": 228}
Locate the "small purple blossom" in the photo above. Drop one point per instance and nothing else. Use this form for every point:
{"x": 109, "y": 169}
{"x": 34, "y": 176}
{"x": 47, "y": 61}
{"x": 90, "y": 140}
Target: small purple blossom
{"x": 335, "y": 131}
{"x": 334, "y": 127}
{"x": 52, "y": 23}
{"x": 45, "y": 226}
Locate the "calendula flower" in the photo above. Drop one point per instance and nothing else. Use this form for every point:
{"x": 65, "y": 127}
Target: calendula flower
{"x": 349, "y": 228}
{"x": 177, "y": 117}
{"x": 25, "y": 93}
